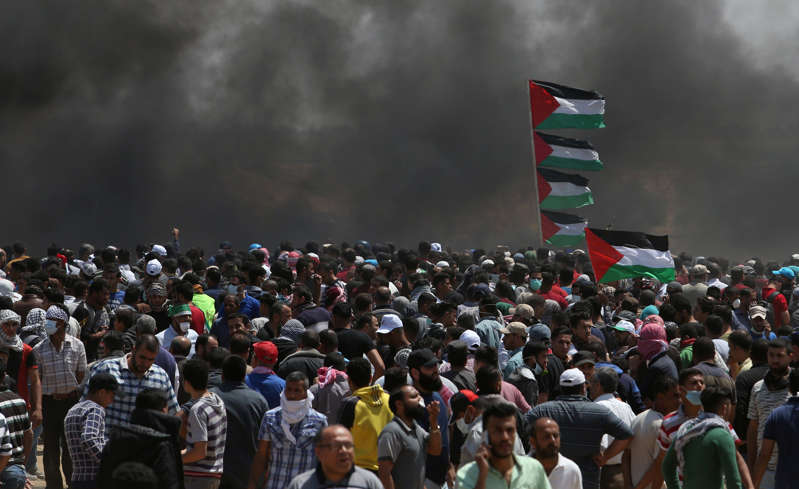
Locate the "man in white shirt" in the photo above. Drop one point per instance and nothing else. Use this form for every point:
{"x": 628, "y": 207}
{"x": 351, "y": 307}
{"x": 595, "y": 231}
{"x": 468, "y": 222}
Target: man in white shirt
{"x": 180, "y": 315}
{"x": 603, "y": 386}
{"x": 562, "y": 472}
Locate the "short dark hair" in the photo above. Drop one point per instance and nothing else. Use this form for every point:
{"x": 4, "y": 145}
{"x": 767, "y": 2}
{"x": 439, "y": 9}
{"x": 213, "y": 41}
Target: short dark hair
{"x": 607, "y": 378}
{"x": 741, "y": 339}
{"x": 309, "y": 339}
{"x": 359, "y": 370}
{"x": 179, "y": 347}
{"x": 397, "y": 394}
{"x": 394, "y": 378}
{"x": 689, "y": 372}
{"x": 487, "y": 377}
{"x": 216, "y": 357}
{"x": 487, "y": 354}
{"x": 704, "y": 349}
{"x": 112, "y": 340}
{"x": 779, "y": 343}
{"x": 713, "y": 397}
{"x": 148, "y": 342}
{"x": 234, "y": 369}
{"x": 500, "y": 410}
{"x": 759, "y": 351}
{"x": 457, "y": 353}
{"x": 151, "y": 398}
{"x": 680, "y": 302}
{"x": 661, "y": 384}
{"x": 125, "y": 316}
{"x": 103, "y": 380}
{"x": 714, "y": 325}
{"x": 240, "y": 343}
{"x": 195, "y": 372}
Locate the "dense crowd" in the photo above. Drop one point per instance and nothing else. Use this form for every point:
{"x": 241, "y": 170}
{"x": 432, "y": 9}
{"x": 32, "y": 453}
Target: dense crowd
{"x": 358, "y": 365}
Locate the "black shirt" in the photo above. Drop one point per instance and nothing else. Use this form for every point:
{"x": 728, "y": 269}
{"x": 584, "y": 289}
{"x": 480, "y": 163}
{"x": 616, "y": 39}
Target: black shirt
{"x": 354, "y": 344}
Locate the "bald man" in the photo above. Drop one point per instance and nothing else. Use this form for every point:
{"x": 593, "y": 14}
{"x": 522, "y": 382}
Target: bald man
{"x": 562, "y": 472}
{"x": 335, "y": 451}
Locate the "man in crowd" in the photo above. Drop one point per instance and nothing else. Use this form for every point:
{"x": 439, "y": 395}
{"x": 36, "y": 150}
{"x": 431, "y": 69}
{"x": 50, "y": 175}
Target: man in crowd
{"x": 180, "y": 325}
{"x": 602, "y": 388}
{"x": 285, "y": 447}
{"x": 263, "y": 378}
{"x": 562, "y": 472}
{"x": 404, "y": 446}
{"x": 20, "y": 433}
{"x": 781, "y": 430}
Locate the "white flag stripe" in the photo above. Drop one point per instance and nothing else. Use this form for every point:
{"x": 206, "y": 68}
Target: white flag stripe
{"x": 576, "y": 107}
{"x": 572, "y": 229}
{"x": 574, "y": 153}
{"x": 564, "y": 189}
{"x": 645, "y": 257}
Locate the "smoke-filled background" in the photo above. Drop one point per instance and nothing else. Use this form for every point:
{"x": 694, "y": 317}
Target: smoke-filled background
{"x": 390, "y": 121}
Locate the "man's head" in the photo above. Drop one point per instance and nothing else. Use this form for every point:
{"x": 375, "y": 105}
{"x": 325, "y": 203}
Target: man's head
{"x": 391, "y": 330}
{"x": 757, "y": 316}
{"x": 143, "y": 355}
{"x": 238, "y": 323}
{"x": 265, "y": 354}
{"x": 499, "y": 426}
{"x": 9, "y": 323}
{"x": 359, "y": 373}
{"x": 180, "y": 346}
{"x": 156, "y": 296}
{"x": 604, "y": 381}
{"x": 195, "y": 376}
{"x": 585, "y": 361}
{"x": 704, "y": 349}
{"x": 545, "y": 438}
{"x": 535, "y": 356}
{"x": 234, "y": 369}
{"x": 717, "y": 400}
{"x": 740, "y": 345}
{"x": 406, "y": 401}
{"x": 180, "y": 315}
{"x": 515, "y": 335}
{"x": 423, "y": 367}
{"x": 102, "y": 387}
{"x": 572, "y": 382}
{"x": 691, "y": 383}
{"x": 779, "y": 358}
{"x": 335, "y": 451}
{"x": 203, "y": 344}
{"x": 561, "y": 342}
{"x": 665, "y": 393}
{"x": 296, "y": 386}
{"x": 152, "y": 399}
{"x": 580, "y": 321}
{"x": 56, "y": 320}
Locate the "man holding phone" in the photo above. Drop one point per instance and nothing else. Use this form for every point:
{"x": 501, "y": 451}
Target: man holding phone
{"x": 496, "y": 465}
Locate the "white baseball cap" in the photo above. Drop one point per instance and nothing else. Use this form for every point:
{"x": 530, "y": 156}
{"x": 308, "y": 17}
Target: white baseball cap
{"x": 389, "y": 323}
{"x": 572, "y": 377}
{"x": 159, "y": 250}
{"x": 471, "y": 338}
{"x": 625, "y": 326}
{"x": 153, "y": 268}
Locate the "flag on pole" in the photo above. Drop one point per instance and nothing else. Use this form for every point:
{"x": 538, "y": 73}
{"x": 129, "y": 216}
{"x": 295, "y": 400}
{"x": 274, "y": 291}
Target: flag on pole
{"x": 562, "y": 229}
{"x": 560, "y": 107}
{"x": 625, "y": 254}
{"x": 558, "y": 190}
{"x": 558, "y": 152}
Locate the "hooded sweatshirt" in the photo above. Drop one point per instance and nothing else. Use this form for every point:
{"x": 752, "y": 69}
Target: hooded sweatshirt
{"x": 366, "y": 413}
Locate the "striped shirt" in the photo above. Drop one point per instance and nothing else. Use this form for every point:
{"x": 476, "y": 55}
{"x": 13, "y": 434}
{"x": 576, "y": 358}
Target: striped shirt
{"x": 15, "y": 410}
{"x": 84, "y": 427}
{"x": 5, "y": 439}
{"x": 287, "y": 459}
{"x": 59, "y": 368}
{"x": 762, "y": 402}
{"x": 207, "y": 421}
{"x": 672, "y": 422}
{"x": 130, "y": 385}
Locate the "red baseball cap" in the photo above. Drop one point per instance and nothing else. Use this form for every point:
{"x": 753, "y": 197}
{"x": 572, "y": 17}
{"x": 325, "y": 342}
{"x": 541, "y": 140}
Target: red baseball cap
{"x": 471, "y": 396}
{"x": 265, "y": 351}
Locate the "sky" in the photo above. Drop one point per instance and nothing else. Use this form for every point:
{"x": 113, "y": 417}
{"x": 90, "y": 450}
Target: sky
{"x": 260, "y": 121}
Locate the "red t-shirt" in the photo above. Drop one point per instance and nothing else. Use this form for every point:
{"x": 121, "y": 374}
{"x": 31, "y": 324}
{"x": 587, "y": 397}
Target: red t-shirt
{"x": 555, "y": 296}
{"x": 197, "y": 319}
{"x": 779, "y": 304}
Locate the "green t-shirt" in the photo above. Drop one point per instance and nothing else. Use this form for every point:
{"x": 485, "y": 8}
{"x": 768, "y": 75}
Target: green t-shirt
{"x": 528, "y": 473}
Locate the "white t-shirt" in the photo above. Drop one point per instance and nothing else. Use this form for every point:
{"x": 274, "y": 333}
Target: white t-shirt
{"x": 566, "y": 475}
{"x": 624, "y": 413}
{"x": 643, "y": 447}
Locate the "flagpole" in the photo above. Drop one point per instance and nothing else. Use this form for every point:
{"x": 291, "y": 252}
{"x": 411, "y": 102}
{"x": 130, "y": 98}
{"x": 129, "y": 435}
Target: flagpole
{"x": 535, "y": 172}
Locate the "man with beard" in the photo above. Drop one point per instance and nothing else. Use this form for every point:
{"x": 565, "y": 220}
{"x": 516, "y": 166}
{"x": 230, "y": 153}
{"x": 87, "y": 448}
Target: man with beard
{"x": 767, "y": 395}
{"x": 423, "y": 368}
{"x": 496, "y": 465}
{"x": 562, "y": 472}
{"x": 403, "y": 443}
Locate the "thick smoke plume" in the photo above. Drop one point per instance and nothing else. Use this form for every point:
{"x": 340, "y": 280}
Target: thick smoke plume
{"x": 382, "y": 120}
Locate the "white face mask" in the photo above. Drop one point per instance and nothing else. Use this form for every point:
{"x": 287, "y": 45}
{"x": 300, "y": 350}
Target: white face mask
{"x": 50, "y": 326}
{"x": 184, "y": 326}
{"x": 736, "y": 303}
{"x": 462, "y": 425}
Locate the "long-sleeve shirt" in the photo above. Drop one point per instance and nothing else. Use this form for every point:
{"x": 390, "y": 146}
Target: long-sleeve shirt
{"x": 84, "y": 427}
{"x": 707, "y": 458}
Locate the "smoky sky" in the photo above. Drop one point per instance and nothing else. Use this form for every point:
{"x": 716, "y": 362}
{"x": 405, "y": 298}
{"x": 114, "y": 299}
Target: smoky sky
{"x": 385, "y": 121}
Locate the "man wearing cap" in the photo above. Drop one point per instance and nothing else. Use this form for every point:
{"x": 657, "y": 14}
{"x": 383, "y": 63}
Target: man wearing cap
{"x": 263, "y": 378}
{"x": 423, "y": 369}
{"x": 760, "y": 327}
{"x": 180, "y": 316}
{"x": 582, "y": 425}
{"x": 771, "y": 293}
{"x": 697, "y": 287}
{"x": 62, "y": 366}
{"x": 84, "y": 427}
{"x": 515, "y": 336}
{"x": 156, "y": 298}
{"x": 392, "y": 335}
{"x": 626, "y": 337}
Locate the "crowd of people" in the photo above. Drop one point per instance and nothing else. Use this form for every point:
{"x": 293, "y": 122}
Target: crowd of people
{"x": 358, "y": 365}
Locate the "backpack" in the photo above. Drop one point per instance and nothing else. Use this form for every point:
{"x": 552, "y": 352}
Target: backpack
{"x": 524, "y": 379}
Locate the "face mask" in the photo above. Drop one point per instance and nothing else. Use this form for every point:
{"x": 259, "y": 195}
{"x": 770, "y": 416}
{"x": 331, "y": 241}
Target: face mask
{"x": 462, "y": 425}
{"x": 535, "y": 284}
{"x": 694, "y": 397}
{"x": 538, "y": 369}
{"x": 50, "y": 326}
{"x": 736, "y": 303}
{"x": 184, "y": 326}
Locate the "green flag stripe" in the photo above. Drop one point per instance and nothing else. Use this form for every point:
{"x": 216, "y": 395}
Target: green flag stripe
{"x": 566, "y": 239}
{"x": 565, "y": 121}
{"x": 567, "y": 202}
{"x": 572, "y": 164}
{"x": 618, "y": 272}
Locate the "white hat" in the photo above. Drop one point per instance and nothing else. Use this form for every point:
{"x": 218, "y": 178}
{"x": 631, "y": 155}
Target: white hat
{"x": 471, "y": 338}
{"x": 795, "y": 256}
{"x": 158, "y": 249}
{"x": 389, "y": 323}
{"x": 572, "y": 377}
{"x": 442, "y": 264}
{"x": 487, "y": 263}
{"x": 153, "y": 268}
{"x": 435, "y": 247}
{"x": 7, "y": 289}
{"x": 359, "y": 259}
{"x": 88, "y": 268}
{"x": 625, "y": 326}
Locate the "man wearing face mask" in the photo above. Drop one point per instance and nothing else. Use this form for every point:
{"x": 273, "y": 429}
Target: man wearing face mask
{"x": 767, "y": 395}
{"x": 423, "y": 367}
{"x": 180, "y": 314}
{"x": 62, "y": 365}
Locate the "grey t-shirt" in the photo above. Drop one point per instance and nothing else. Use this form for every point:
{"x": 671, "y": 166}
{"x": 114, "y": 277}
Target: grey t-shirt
{"x": 407, "y": 448}
{"x": 315, "y": 479}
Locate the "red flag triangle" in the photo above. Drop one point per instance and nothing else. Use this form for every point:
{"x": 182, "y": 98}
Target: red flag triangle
{"x": 548, "y": 228}
{"x": 544, "y": 188}
{"x": 542, "y": 149}
{"x": 542, "y": 104}
{"x": 602, "y": 254}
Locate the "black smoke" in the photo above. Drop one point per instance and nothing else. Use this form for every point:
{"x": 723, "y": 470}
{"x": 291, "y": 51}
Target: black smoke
{"x": 384, "y": 120}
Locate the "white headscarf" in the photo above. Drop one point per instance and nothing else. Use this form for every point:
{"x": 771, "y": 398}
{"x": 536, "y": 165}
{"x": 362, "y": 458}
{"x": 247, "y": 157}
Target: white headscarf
{"x": 293, "y": 412}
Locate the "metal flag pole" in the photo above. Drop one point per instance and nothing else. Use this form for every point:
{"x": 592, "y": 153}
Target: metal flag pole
{"x": 535, "y": 171}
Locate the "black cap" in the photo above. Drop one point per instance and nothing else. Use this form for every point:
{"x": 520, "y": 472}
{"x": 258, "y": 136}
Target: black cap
{"x": 582, "y": 357}
{"x": 422, "y": 358}
{"x": 103, "y": 380}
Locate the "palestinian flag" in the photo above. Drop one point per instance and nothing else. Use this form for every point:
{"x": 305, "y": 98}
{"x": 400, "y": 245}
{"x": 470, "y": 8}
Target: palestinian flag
{"x": 558, "y": 190}
{"x": 557, "y": 152}
{"x": 562, "y": 229}
{"x": 559, "y": 107}
{"x": 624, "y": 254}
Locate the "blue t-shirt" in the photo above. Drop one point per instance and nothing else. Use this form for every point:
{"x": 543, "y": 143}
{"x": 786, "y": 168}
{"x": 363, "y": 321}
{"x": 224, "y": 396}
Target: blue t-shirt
{"x": 269, "y": 385}
{"x": 782, "y": 426}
